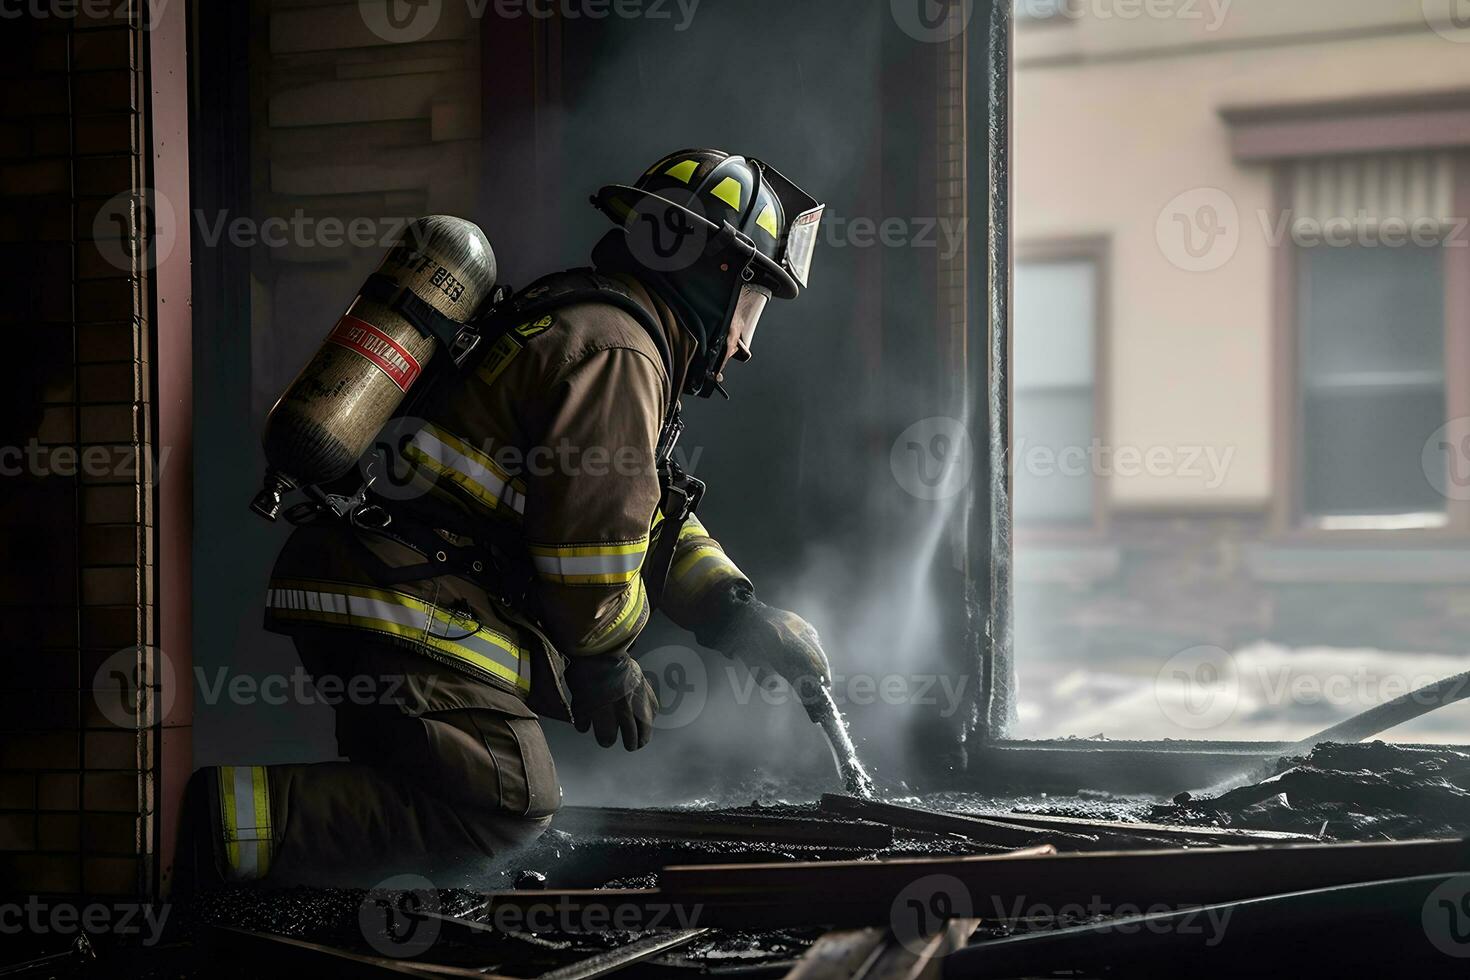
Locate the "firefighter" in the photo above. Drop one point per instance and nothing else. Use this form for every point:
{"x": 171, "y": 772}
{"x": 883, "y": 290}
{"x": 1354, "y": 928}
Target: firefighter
{"x": 519, "y": 531}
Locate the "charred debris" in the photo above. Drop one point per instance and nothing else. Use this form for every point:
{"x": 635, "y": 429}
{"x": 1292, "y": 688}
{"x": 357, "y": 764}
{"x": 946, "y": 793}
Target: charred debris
{"x": 1350, "y": 860}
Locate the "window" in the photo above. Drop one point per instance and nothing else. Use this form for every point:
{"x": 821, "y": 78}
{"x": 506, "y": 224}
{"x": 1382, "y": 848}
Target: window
{"x": 1054, "y": 378}
{"x": 1370, "y": 279}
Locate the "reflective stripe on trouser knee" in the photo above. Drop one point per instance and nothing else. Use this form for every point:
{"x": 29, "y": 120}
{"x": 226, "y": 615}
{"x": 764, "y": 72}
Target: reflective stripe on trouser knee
{"x": 245, "y": 821}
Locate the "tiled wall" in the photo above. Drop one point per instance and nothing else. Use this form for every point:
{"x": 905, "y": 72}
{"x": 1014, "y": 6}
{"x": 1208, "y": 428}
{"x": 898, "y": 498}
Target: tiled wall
{"x": 79, "y": 765}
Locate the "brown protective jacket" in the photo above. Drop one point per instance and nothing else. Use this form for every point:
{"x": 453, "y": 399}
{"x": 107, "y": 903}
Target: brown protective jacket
{"x": 539, "y": 464}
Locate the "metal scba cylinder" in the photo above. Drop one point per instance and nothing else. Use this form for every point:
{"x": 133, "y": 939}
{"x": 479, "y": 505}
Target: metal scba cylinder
{"x": 373, "y": 357}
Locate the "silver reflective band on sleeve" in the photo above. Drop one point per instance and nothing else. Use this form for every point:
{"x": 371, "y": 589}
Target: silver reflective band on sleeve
{"x": 477, "y": 473}
{"x": 576, "y": 565}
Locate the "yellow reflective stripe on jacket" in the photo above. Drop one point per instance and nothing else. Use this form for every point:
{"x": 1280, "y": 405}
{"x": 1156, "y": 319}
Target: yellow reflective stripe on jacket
{"x": 590, "y": 564}
{"x": 448, "y": 457}
{"x": 245, "y": 821}
{"x": 625, "y": 628}
{"x": 699, "y": 568}
{"x": 462, "y": 639}
{"x": 692, "y": 529}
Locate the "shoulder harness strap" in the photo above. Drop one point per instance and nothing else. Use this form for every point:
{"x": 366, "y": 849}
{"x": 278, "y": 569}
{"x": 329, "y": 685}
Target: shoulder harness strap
{"x": 550, "y": 293}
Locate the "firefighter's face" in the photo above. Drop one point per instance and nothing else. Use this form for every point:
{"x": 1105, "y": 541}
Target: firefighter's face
{"x": 748, "y": 310}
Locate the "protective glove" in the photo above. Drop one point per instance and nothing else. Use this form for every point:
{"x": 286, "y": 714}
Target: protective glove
{"x": 768, "y": 639}
{"x": 611, "y": 695}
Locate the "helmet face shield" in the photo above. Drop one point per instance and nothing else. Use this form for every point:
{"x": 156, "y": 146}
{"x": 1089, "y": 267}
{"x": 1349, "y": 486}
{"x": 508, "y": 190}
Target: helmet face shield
{"x": 800, "y": 241}
{"x": 801, "y": 245}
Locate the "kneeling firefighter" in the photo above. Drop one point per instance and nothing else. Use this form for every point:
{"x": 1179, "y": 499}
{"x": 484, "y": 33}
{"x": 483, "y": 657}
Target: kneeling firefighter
{"x": 493, "y": 559}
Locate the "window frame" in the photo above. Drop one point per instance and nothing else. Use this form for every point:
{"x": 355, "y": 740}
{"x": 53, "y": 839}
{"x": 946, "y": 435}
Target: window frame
{"x": 1288, "y": 519}
{"x": 1147, "y": 766}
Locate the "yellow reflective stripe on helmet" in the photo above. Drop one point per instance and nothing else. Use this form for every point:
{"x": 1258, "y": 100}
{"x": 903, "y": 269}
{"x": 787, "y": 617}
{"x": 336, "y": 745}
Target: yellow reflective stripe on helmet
{"x": 590, "y": 564}
{"x": 448, "y": 457}
{"x": 767, "y": 220}
{"x": 683, "y": 170}
{"x": 631, "y": 619}
{"x": 729, "y": 191}
{"x": 699, "y": 568}
{"x": 461, "y": 639}
{"x": 245, "y": 821}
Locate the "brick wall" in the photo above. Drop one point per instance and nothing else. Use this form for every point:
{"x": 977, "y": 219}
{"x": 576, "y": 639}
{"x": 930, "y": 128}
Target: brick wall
{"x": 82, "y": 747}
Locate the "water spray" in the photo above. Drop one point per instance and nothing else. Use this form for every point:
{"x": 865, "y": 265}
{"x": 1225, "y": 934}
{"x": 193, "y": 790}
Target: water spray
{"x": 822, "y": 710}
